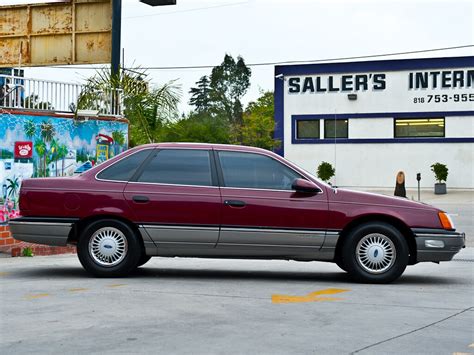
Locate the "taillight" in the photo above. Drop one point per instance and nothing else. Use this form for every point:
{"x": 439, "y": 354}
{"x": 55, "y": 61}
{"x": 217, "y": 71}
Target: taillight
{"x": 445, "y": 220}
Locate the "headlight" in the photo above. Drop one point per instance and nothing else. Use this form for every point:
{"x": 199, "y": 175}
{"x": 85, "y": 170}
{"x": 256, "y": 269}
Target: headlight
{"x": 445, "y": 220}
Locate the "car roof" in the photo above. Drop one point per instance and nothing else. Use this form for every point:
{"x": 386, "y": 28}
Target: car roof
{"x": 204, "y": 146}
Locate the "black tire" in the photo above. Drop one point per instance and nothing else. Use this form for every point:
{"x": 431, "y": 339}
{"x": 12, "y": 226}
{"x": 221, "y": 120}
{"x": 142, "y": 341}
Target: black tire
{"x": 143, "y": 259}
{"x": 375, "y": 253}
{"x": 108, "y": 248}
{"x": 341, "y": 265}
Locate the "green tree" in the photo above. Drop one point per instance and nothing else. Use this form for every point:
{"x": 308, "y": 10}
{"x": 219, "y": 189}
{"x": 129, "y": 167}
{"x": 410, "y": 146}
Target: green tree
{"x": 197, "y": 127}
{"x": 146, "y": 106}
{"x": 258, "y": 123}
{"x": 33, "y": 101}
{"x": 229, "y": 83}
{"x": 201, "y": 95}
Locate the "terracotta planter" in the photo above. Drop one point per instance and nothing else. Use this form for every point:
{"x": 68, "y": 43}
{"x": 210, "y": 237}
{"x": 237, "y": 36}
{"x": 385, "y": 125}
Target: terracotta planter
{"x": 440, "y": 188}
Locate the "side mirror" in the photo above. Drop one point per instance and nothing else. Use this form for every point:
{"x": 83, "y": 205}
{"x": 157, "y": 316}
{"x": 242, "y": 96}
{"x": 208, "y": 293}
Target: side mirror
{"x": 301, "y": 185}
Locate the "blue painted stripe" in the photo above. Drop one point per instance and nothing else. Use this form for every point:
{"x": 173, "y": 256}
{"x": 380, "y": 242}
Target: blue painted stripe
{"x": 377, "y": 65}
{"x": 279, "y": 129}
{"x": 382, "y": 140}
{"x": 340, "y": 116}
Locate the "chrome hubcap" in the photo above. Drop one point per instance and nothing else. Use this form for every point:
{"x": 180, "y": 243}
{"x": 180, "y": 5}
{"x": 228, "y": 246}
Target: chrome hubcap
{"x": 108, "y": 246}
{"x": 375, "y": 253}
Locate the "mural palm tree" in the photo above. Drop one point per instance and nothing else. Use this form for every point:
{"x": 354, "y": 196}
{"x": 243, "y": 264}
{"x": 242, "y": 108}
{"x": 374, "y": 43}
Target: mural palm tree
{"x": 119, "y": 141}
{"x": 12, "y": 189}
{"x": 40, "y": 148}
{"x": 30, "y": 128}
{"x": 47, "y": 134}
{"x": 62, "y": 153}
{"x": 54, "y": 147}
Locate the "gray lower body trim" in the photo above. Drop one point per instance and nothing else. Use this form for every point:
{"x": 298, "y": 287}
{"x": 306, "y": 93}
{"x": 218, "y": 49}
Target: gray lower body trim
{"x": 195, "y": 241}
{"x": 48, "y": 233}
{"x": 437, "y": 245}
{"x": 165, "y": 236}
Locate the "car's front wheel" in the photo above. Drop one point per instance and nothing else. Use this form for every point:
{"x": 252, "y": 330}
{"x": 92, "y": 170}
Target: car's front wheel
{"x": 375, "y": 253}
{"x": 108, "y": 248}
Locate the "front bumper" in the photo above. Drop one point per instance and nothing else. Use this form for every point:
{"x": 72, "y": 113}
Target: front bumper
{"x": 437, "y": 244}
{"x": 40, "y": 230}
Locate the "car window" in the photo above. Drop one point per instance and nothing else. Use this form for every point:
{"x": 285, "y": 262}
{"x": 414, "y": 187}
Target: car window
{"x": 256, "y": 171}
{"x": 124, "y": 169}
{"x": 179, "y": 166}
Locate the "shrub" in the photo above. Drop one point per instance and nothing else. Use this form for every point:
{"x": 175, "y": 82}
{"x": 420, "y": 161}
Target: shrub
{"x": 27, "y": 252}
{"x": 325, "y": 171}
{"x": 440, "y": 171}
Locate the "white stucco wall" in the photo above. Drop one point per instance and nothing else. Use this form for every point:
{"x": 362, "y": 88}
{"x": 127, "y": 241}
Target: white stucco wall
{"x": 375, "y": 165}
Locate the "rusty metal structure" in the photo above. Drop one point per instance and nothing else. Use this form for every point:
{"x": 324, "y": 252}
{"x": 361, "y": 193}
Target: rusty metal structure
{"x": 68, "y": 32}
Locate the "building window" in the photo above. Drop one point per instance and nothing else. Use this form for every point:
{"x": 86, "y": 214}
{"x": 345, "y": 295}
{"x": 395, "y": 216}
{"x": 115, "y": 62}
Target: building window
{"x": 336, "y": 128}
{"x": 419, "y": 127}
{"x": 307, "y": 129}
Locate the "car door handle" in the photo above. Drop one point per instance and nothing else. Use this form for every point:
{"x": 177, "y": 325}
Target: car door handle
{"x": 234, "y": 203}
{"x": 140, "y": 199}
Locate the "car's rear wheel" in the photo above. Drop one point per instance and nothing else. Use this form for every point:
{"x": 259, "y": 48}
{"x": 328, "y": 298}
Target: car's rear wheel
{"x": 108, "y": 248}
{"x": 375, "y": 253}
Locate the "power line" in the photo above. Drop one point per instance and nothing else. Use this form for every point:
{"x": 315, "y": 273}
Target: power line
{"x": 188, "y": 10}
{"x": 290, "y": 61}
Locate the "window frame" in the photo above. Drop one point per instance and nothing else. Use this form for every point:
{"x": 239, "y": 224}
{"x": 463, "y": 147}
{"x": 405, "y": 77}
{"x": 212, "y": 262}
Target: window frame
{"x": 212, "y": 165}
{"x": 221, "y": 172}
{"x": 414, "y": 119}
{"x": 96, "y": 176}
{"x": 329, "y": 120}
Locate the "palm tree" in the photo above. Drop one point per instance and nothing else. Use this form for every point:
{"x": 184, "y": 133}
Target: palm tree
{"x": 146, "y": 108}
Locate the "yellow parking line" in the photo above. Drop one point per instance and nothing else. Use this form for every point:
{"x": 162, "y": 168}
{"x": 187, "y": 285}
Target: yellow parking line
{"x": 78, "y": 289}
{"x": 310, "y": 297}
{"x": 3, "y": 273}
{"x": 116, "y": 285}
{"x": 35, "y": 296}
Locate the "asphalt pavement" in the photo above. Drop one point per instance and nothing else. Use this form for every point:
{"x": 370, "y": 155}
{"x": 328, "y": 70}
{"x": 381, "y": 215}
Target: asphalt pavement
{"x": 49, "y": 305}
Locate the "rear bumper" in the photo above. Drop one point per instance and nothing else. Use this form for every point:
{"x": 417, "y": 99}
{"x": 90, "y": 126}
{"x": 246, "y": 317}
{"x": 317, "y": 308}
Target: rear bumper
{"x": 437, "y": 244}
{"x": 40, "y": 230}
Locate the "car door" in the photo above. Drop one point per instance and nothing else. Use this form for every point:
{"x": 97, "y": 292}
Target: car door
{"x": 176, "y": 199}
{"x": 261, "y": 212}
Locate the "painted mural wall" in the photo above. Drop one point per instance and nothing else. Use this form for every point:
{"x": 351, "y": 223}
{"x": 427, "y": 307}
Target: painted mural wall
{"x": 45, "y": 146}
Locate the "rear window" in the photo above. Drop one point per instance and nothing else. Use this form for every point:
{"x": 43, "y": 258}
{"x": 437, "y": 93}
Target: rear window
{"x": 124, "y": 169}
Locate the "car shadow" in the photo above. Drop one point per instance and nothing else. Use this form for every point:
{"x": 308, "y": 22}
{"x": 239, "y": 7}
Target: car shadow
{"x": 148, "y": 272}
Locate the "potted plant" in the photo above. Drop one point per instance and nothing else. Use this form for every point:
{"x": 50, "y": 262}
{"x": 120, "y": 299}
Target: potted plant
{"x": 325, "y": 171}
{"x": 441, "y": 175}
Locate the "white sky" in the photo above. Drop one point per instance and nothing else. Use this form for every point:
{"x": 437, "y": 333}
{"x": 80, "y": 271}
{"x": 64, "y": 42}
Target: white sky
{"x": 200, "y": 32}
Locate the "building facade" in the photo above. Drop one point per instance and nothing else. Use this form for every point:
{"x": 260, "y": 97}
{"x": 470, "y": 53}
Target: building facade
{"x": 372, "y": 119}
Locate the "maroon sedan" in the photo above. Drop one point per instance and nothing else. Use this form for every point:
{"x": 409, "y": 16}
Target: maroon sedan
{"x": 207, "y": 200}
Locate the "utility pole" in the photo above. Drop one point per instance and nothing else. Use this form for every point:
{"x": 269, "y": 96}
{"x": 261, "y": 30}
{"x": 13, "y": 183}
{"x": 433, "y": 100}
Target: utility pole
{"x": 117, "y": 28}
